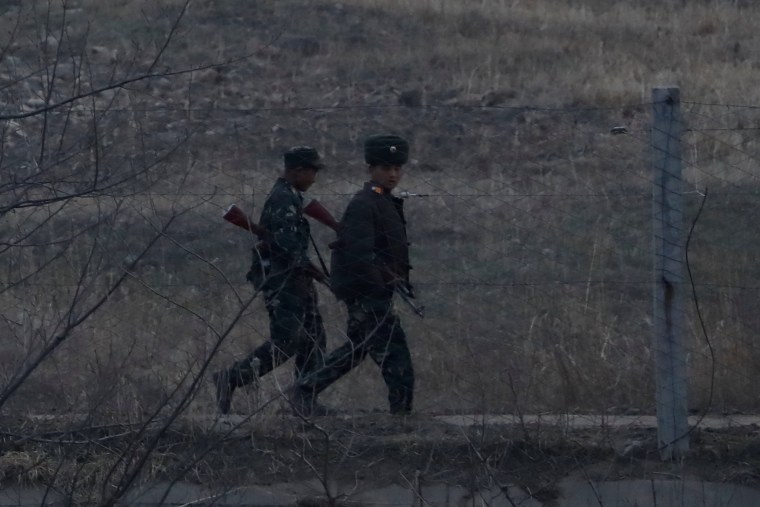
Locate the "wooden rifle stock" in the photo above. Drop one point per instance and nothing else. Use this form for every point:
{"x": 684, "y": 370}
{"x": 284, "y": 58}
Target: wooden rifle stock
{"x": 235, "y": 215}
{"x": 314, "y": 209}
{"x": 407, "y": 295}
{"x": 319, "y": 213}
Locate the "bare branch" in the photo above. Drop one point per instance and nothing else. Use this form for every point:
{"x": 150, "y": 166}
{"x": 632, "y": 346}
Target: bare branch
{"x": 75, "y": 322}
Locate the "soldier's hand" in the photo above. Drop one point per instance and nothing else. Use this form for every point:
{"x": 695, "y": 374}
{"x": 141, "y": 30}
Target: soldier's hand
{"x": 262, "y": 247}
{"x": 314, "y": 272}
{"x": 406, "y": 288}
{"x": 391, "y": 278}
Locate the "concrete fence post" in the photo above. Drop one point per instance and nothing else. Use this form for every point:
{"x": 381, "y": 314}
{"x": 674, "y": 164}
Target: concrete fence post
{"x": 669, "y": 256}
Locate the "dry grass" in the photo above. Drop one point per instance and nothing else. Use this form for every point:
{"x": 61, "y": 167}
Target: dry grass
{"x": 531, "y": 254}
{"x": 531, "y": 250}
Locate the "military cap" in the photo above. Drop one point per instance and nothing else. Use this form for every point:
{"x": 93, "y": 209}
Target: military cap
{"x": 386, "y": 149}
{"x": 303, "y": 156}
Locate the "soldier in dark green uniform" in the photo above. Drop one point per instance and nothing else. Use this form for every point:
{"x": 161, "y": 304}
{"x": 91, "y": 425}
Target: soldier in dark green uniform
{"x": 370, "y": 261}
{"x": 282, "y": 270}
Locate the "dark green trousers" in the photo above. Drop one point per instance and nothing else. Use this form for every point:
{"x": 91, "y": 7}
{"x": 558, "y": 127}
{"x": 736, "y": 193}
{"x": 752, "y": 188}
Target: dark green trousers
{"x": 374, "y": 329}
{"x": 295, "y": 329}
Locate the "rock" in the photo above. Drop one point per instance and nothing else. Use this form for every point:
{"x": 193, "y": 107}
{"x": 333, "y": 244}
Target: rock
{"x": 411, "y": 98}
{"x": 65, "y": 72}
{"x": 163, "y": 83}
{"x": 305, "y": 46}
{"x": 12, "y": 63}
{"x": 50, "y": 44}
{"x": 35, "y": 103}
{"x": 632, "y": 447}
{"x": 636, "y": 446}
{"x": 455, "y": 129}
{"x": 102, "y": 54}
{"x": 211, "y": 75}
{"x": 497, "y": 97}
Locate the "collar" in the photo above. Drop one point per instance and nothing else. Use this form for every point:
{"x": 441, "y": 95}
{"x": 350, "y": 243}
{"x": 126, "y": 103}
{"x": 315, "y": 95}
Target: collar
{"x": 378, "y": 189}
{"x": 290, "y": 187}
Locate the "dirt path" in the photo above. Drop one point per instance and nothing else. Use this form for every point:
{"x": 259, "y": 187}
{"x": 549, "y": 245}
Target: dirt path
{"x": 587, "y": 421}
{"x": 541, "y": 458}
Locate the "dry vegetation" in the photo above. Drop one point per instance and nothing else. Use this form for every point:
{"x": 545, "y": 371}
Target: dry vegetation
{"x": 531, "y": 248}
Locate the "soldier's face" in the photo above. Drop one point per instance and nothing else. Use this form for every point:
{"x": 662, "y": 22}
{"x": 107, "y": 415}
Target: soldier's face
{"x": 387, "y": 176}
{"x": 304, "y": 178}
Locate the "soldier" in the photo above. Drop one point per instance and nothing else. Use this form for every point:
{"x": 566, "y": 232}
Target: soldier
{"x": 282, "y": 270}
{"x": 370, "y": 261}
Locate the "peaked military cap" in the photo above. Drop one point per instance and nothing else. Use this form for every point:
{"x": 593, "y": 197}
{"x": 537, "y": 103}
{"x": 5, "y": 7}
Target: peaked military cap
{"x": 303, "y": 156}
{"x": 386, "y": 149}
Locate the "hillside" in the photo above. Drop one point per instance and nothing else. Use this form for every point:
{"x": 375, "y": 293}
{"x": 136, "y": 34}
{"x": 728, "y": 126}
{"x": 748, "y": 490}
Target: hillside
{"x": 129, "y": 126}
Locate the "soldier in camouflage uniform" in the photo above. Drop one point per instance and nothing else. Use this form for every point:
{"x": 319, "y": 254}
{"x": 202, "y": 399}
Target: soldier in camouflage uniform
{"x": 282, "y": 270}
{"x": 370, "y": 261}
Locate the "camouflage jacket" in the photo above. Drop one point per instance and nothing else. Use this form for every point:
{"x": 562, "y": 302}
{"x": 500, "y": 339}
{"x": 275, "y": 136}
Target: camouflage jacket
{"x": 372, "y": 246}
{"x": 282, "y": 216}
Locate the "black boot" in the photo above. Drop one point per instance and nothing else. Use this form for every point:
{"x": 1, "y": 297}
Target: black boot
{"x": 319, "y": 410}
{"x": 302, "y": 401}
{"x": 400, "y": 401}
{"x": 304, "y": 404}
{"x": 223, "y": 390}
{"x": 401, "y": 409}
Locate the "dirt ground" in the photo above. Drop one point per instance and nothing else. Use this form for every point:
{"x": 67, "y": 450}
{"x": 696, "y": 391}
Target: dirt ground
{"x": 371, "y": 448}
{"x": 387, "y": 450}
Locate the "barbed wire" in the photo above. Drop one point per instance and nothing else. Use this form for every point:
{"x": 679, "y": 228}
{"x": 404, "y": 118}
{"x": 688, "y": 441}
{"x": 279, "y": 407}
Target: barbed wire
{"x": 362, "y": 107}
{"x": 581, "y": 210}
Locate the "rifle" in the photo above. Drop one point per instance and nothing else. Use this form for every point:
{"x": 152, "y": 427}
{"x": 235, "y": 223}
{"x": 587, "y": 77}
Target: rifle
{"x": 236, "y": 216}
{"x": 318, "y": 212}
{"x": 406, "y": 293}
{"x": 315, "y": 210}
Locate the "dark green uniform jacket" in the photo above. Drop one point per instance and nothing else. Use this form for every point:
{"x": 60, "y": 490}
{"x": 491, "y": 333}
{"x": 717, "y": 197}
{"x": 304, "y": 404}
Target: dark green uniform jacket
{"x": 288, "y": 238}
{"x": 372, "y": 246}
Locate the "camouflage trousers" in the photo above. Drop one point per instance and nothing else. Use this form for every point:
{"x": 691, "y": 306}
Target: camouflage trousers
{"x": 374, "y": 329}
{"x": 295, "y": 329}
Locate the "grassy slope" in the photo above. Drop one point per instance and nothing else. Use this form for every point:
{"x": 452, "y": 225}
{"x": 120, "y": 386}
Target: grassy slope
{"x": 532, "y": 253}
